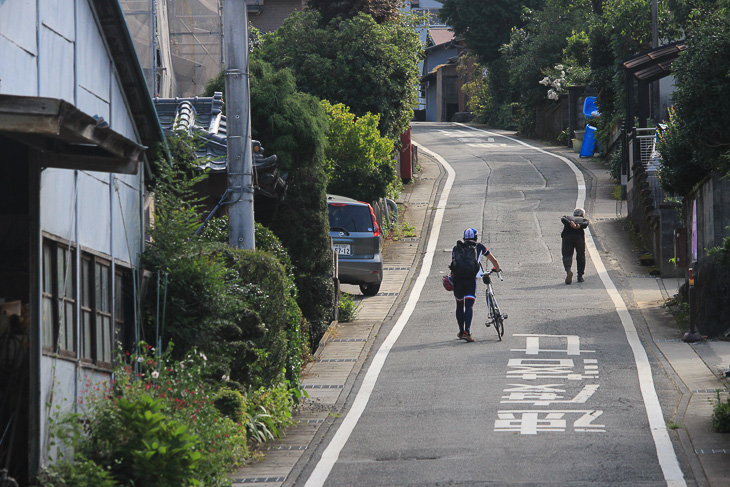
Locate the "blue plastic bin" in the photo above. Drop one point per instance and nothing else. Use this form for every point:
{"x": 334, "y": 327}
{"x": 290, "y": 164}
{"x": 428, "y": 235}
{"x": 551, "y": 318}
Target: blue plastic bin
{"x": 589, "y": 142}
{"x": 590, "y": 109}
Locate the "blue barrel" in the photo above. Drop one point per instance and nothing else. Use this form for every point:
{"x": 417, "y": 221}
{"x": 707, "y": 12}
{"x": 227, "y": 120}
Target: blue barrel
{"x": 589, "y": 142}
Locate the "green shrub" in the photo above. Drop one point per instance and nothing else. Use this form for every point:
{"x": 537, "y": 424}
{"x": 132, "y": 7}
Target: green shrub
{"x": 347, "y": 308}
{"x": 268, "y": 413}
{"x": 152, "y": 449}
{"x": 238, "y": 306}
{"x": 359, "y": 160}
{"x": 81, "y": 472}
{"x": 721, "y": 415}
{"x": 157, "y": 424}
{"x": 231, "y": 403}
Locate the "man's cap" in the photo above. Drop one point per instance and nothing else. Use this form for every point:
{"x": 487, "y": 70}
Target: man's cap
{"x": 470, "y": 234}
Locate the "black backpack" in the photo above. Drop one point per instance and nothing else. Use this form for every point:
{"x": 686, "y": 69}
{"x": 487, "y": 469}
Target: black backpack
{"x": 465, "y": 262}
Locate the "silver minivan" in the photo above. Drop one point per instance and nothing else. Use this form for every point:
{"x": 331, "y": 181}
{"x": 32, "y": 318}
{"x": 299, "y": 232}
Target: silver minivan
{"x": 357, "y": 242}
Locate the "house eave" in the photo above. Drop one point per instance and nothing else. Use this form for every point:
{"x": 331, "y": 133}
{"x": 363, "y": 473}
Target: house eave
{"x": 68, "y": 137}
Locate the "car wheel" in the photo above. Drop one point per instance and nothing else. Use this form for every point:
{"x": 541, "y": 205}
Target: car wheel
{"x": 370, "y": 289}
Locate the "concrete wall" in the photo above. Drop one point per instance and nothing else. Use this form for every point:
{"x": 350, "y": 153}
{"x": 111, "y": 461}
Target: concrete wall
{"x": 655, "y": 217}
{"x": 712, "y": 200}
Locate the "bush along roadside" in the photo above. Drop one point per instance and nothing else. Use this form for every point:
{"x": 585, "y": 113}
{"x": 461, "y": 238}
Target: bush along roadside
{"x": 164, "y": 422}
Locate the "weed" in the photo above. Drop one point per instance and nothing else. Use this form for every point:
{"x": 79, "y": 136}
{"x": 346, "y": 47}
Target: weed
{"x": 401, "y": 230}
{"x": 347, "y": 308}
{"x": 721, "y": 414}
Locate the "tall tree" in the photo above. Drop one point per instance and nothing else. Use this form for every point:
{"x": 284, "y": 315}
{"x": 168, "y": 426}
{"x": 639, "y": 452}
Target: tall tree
{"x": 380, "y": 10}
{"x": 364, "y": 65}
{"x": 293, "y": 125}
{"x": 484, "y": 26}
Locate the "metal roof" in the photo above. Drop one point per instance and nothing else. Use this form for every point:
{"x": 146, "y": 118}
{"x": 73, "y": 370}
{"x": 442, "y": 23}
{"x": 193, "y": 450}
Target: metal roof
{"x": 71, "y": 138}
{"x": 117, "y": 36}
{"x": 653, "y": 65}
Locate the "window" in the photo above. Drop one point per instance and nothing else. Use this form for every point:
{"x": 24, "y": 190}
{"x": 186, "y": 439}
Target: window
{"x": 96, "y": 310}
{"x": 59, "y": 298}
{"x": 123, "y": 301}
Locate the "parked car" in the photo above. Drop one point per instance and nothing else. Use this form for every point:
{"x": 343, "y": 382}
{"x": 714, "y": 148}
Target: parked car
{"x": 357, "y": 242}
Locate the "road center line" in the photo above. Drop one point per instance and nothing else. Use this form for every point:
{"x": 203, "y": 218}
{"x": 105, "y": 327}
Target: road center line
{"x": 665, "y": 451}
{"x": 332, "y": 452}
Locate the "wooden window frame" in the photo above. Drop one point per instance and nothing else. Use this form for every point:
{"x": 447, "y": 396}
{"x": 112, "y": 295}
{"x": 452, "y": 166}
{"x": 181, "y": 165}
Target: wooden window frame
{"x": 98, "y": 341}
{"x": 52, "y": 293}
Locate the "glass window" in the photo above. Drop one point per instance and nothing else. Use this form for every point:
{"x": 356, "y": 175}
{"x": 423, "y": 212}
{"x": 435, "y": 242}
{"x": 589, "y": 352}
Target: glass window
{"x": 96, "y": 309}
{"x": 353, "y": 218}
{"x": 59, "y": 297}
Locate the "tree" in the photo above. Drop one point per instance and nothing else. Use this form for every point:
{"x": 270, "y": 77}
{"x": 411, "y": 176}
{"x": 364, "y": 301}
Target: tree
{"x": 537, "y": 51}
{"x": 380, "y": 10}
{"x": 293, "y": 125}
{"x": 359, "y": 160}
{"x": 697, "y": 141}
{"x": 484, "y": 26}
{"x": 367, "y": 66}
{"x": 237, "y": 306}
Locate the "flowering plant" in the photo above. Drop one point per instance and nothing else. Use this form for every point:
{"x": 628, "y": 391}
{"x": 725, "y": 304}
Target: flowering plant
{"x": 157, "y": 421}
{"x": 555, "y": 80}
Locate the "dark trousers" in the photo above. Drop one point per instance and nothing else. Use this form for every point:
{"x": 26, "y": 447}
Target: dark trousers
{"x": 577, "y": 244}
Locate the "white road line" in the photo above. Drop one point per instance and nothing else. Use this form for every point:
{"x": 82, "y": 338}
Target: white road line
{"x": 332, "y": 452}
{"x": 665, "y": 451}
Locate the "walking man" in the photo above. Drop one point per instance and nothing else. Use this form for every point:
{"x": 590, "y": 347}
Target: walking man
{"x": 574, "y": 240}
{"x": 465, "y": 268}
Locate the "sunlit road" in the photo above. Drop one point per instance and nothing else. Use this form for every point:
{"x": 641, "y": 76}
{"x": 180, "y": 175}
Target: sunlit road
{"x": 567, "y": 398}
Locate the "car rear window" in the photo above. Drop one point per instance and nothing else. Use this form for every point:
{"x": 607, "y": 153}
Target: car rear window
{"x": 353, "y": 218}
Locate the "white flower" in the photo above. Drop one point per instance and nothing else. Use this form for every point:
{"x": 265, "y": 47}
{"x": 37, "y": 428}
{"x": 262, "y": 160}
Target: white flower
{"x": 552, "y": 95}
{"x": 559, "y": 67}
{"x": 155, "y": 374}
{"x": 204, "y": 357}
{"x": 226, "y": 378}
{"x": 140, "y": 360}
{"x": 545, "y": 81}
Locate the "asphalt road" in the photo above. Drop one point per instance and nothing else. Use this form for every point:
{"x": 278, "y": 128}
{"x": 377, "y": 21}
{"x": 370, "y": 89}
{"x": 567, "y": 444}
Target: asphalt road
{"x": 567, "y": 398}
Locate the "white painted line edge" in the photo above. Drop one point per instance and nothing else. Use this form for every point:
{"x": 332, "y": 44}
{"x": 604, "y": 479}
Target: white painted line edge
{"x": 332, "y": 452}
{"x": 665, "y": 451}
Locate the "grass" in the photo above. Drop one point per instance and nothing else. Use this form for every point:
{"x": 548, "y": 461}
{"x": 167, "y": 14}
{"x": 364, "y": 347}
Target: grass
{"x": 402, "y": 230}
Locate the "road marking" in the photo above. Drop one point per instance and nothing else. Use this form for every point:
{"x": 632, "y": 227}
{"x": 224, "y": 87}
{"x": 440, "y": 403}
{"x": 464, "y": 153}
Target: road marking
{"x": 332, "y": 452}
{"x": 665, "y": 451}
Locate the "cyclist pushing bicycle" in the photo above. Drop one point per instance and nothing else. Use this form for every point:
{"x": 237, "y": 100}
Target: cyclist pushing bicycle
{"x": 466, "y": 268}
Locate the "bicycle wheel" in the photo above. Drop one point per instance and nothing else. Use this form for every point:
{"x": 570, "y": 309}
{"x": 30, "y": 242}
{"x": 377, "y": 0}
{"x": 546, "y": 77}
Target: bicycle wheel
{"x": 499, "y": 326}
{"x": 490, "y": 318}
{"x": 496, "y": 318}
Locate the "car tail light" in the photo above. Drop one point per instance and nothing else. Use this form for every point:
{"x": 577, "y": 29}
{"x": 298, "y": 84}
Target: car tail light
{"x": 375, "y": 221}
{"x": 338, "y": 204}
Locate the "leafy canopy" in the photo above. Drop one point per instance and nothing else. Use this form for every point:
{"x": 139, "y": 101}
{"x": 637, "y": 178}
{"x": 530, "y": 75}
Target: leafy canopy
{"x": 697, "y": 141}
{"x": 380, "y": 10}
{"x": 485, "y": 26}
{"x": 359, "y": 162}
{"x": 369, "y": 67}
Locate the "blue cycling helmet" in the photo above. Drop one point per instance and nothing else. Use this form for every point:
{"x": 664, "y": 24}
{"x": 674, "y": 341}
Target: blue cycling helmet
{"x": 470, "y": 234}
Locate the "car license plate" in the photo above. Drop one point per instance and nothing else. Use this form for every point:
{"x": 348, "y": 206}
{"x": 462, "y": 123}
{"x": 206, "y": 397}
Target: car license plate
{"x": 342, "y": 249}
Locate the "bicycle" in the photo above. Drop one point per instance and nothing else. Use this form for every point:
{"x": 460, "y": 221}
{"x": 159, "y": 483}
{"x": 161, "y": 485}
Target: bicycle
{"x": 496, "y": 317}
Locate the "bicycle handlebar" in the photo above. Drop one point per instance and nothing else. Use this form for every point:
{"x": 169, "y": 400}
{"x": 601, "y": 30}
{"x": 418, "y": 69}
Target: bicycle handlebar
{"x": 495, "y": 271}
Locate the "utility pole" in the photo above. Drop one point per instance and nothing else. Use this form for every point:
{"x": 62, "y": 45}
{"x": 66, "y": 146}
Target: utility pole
{"x": 238, "y": 122}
